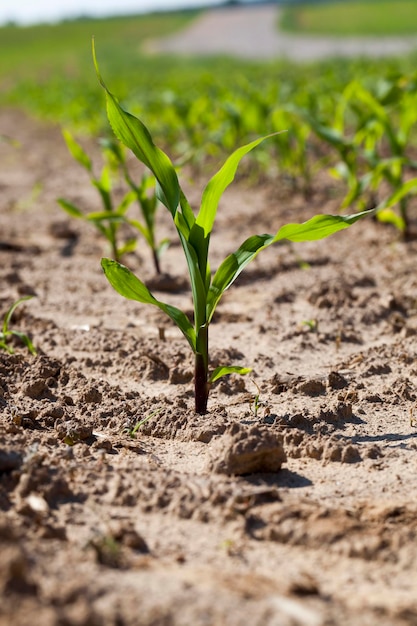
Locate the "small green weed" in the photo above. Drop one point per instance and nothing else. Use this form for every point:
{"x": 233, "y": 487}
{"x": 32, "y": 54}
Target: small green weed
{"x": 256, "y": 403}
{"x": 6, "y": 334}
{"x": 312, "y": 325}
{"x": 131, "y": 431}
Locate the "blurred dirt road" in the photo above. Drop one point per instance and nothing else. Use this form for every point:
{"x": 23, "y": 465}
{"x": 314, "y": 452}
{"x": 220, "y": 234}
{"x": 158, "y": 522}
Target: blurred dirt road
{"x": 252, "y": 32}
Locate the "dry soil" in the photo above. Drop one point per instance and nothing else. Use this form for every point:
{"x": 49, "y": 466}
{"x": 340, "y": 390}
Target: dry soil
{"x": 190, "y": 521}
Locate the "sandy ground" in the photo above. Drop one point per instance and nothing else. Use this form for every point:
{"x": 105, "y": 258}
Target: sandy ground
{"x": 190, "y": 521}
{"x": 252, "y": 32}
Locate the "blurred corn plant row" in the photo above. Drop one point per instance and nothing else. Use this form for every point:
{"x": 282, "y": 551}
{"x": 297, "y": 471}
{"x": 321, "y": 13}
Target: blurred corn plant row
{"x": 373, "y": 134}
{"x": 364, "y": 134}
{"x": 354, "y": 118}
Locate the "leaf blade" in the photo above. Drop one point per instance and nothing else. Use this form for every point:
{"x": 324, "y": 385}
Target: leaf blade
{"x": 225, "y": 370}
{"x": 219, "y": 183}
{"x": 232, "y": 266}
{"x": 77, "y": 151}
{"x": 318, "y": 227}
{"x": 129, "y": 286}
{"x": 131, "y": 131}
{"x": 70, "y": 208}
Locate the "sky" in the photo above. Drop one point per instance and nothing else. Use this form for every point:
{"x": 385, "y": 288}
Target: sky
{"x": 33, "y": 11}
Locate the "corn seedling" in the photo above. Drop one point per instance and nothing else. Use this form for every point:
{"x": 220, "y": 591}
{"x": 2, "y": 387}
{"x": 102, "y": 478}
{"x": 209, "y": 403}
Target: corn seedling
{"x": 256, "y": 403}
{"x": 109, "y": 220}
{"x": 6, "y": 333}
{"x": 312, "y": 325}
{"x": 146, "y": 198}
{"x": 194, "y": 232}
{"x": 385, "y": 118}
{"x": 131, "y": 431}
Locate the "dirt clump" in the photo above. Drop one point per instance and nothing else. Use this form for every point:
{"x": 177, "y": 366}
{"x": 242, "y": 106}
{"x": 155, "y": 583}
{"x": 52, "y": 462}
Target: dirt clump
{"x": 247, "y": 450}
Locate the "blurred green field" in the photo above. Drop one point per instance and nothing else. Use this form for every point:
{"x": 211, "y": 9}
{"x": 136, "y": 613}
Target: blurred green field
{"x": 341, "y": 18}
{"x": 357, "y": 117}
{"x": 23, "y": 49}
{"x": 48, "y": 71}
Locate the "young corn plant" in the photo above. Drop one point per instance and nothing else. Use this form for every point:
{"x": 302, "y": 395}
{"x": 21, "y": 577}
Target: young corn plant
{"x": 148, "y": 203}
{"x": 6, "y": 334}
{"x": 194, "y": 231}
{"x": 110, "y": 218}
{"x": 384, "y": 119}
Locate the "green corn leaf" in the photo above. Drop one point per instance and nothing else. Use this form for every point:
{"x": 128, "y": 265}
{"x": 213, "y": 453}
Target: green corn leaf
{"x": 127, "y": 200}
{"x": 217, "y": 185}
{"x": 103, "y": 185}
{"x": 76, "y": 151}
{"x": 134, "y": 135}
{"x": 5, "y": 333}
{"x": 4, "y": 346}
{"x": 317, "y": 227}
{"x": 114, "y": 148}
{"x": 199, "y": 236}
{"x": 70, "y": 208}
{"x": 163, "y": 246}
{"x": 341, "y": 171}
{"x": 142, "y": 229}
{"x": 105, "y": 181}
{"x": 200, "y": 244}
{"x": 232, "y": 266}
{"x": 184, "y": 219}
{"x": 367, "y": 98}
{"x": 364, "y": 96}
{"x": 197, "y": 282}
{"x": 332, "y": 135}
{"x": 102, "y": 216}
{"x": 128, "y": 246}
{"x": 225, "y": 370}
{"x": 130, "y": 287}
